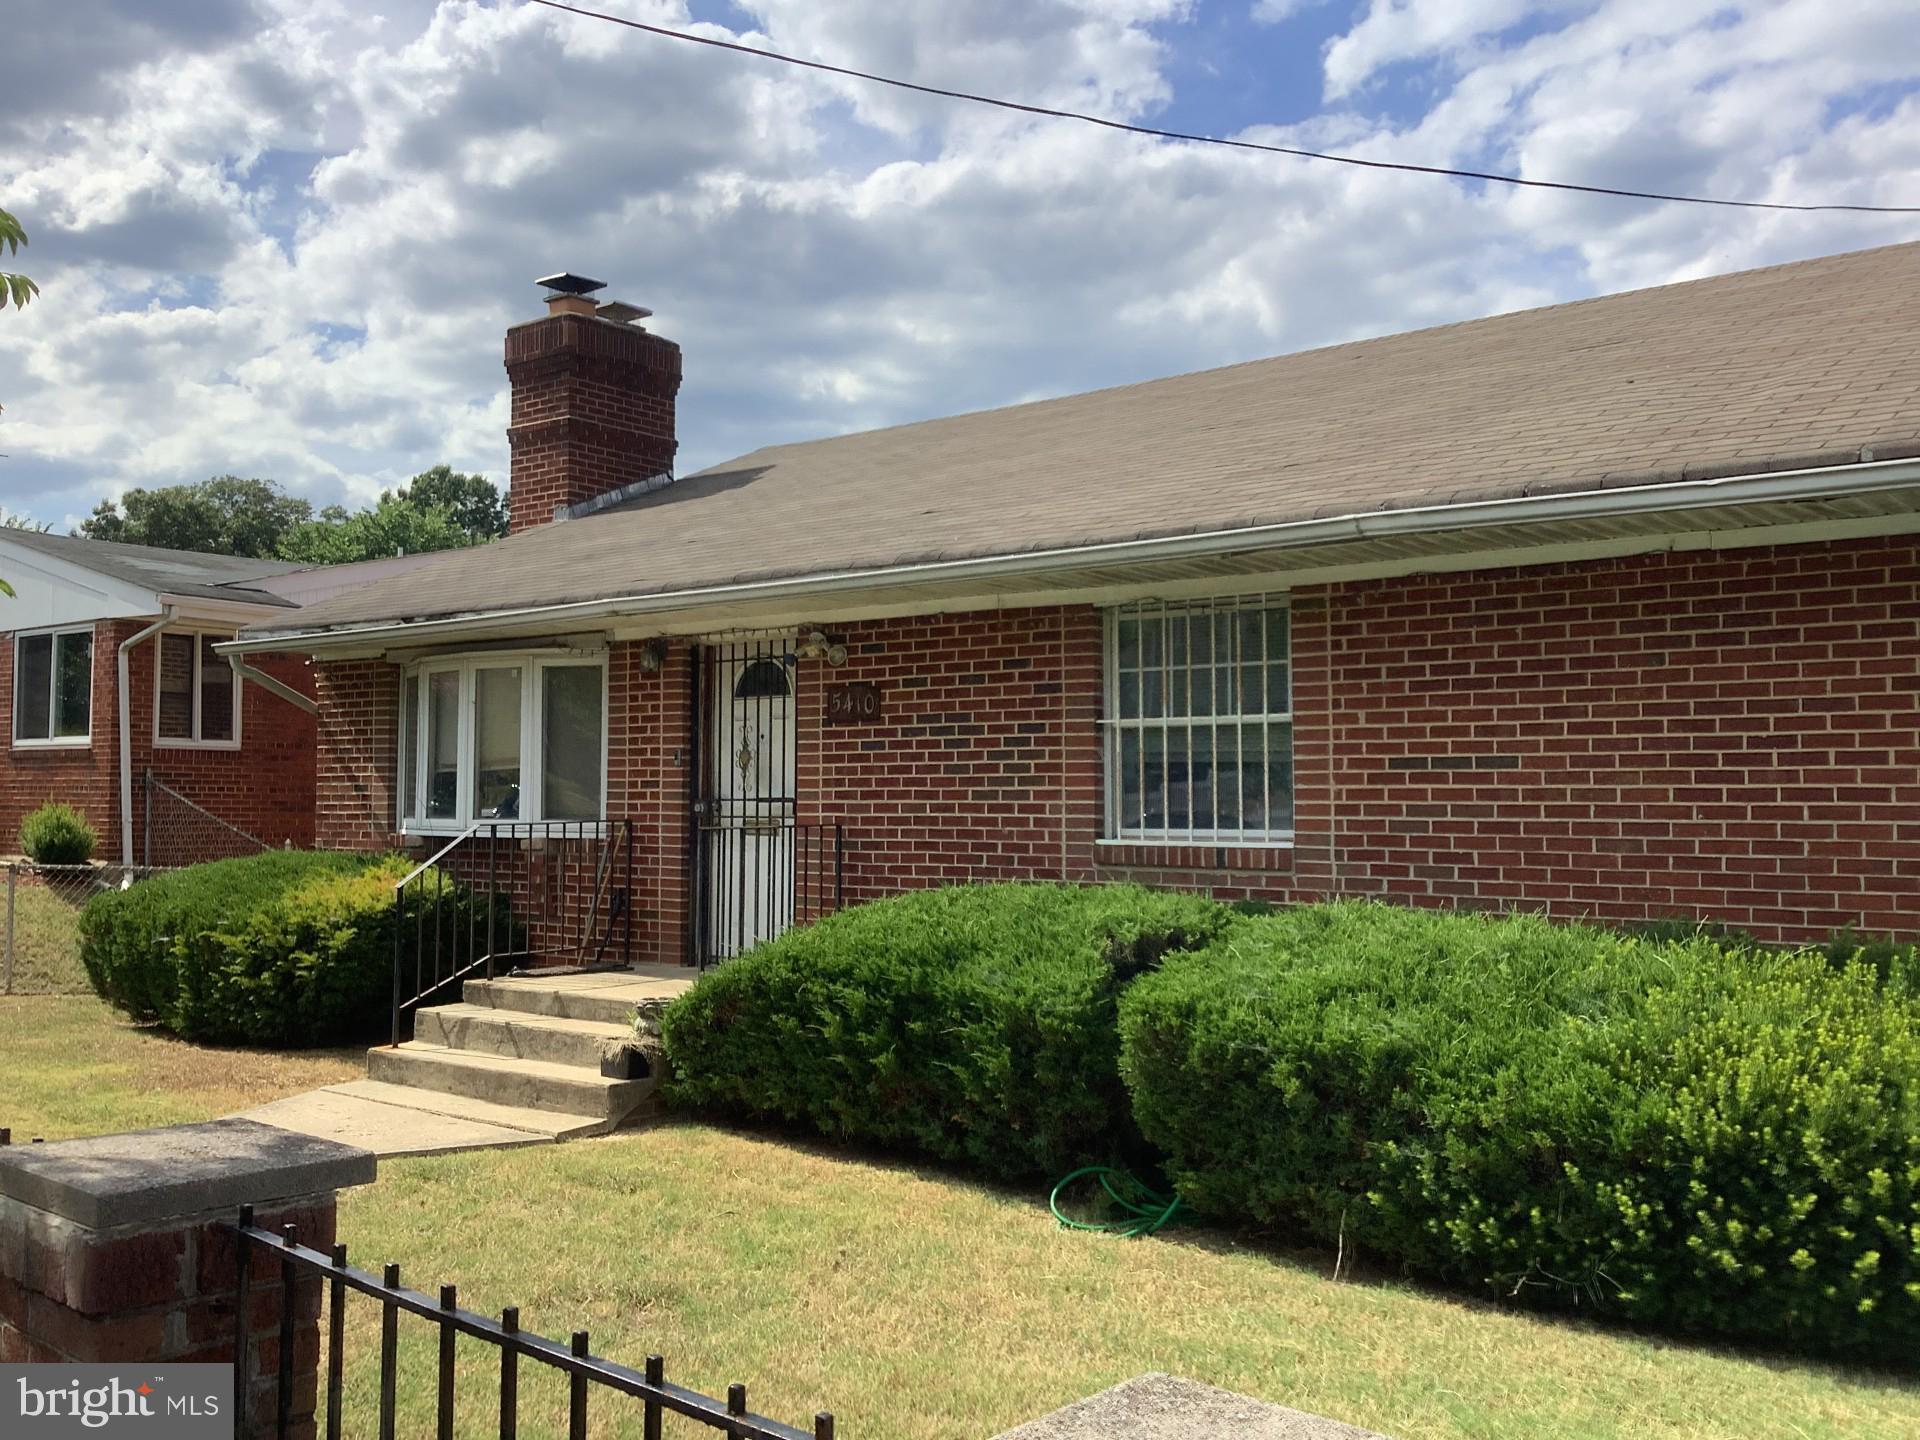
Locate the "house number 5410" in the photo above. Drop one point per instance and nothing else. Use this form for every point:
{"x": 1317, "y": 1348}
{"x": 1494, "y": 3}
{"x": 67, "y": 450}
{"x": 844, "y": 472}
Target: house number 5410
{"x": 857, "y": 704}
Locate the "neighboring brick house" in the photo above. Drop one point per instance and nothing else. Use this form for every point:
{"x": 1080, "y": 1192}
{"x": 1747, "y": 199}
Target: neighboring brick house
{"x": 1610, "y": 609}
{"x": 187, "y": 715}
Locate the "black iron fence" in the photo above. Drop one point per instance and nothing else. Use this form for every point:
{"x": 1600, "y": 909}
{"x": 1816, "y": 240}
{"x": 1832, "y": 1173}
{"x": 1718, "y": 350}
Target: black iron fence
{"x": 294, "y": 1261}
{"x": 504, "y": 892}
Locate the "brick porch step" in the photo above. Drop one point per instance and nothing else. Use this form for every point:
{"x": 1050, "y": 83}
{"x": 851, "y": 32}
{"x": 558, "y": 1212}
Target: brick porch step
{"x": 508, "y": 1080}
{"x": 518, "y": 1033}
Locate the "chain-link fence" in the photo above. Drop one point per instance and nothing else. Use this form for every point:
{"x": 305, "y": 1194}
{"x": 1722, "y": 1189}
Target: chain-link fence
{"x": 177, "y": 831}
{"x": 43, "y": 904}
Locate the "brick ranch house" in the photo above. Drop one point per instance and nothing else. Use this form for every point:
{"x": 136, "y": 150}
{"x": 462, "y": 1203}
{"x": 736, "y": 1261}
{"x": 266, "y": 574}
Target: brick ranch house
{"x": 110, "y": 675}
{"x": 1609, "y": 609}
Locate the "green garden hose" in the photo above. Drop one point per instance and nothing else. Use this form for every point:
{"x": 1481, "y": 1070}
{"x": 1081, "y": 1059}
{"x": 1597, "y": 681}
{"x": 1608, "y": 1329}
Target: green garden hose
{"x": 1141, "y": 1211}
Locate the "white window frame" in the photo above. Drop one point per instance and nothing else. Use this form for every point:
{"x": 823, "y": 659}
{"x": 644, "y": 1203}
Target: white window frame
{"x": 532, "y": 735}
{"x": 176, "y": 742}
{"x": 1124, "y": 830}
{"x": 50, "y": 741}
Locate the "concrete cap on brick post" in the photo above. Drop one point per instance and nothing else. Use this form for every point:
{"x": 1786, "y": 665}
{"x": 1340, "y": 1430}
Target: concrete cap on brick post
{"x": 121, "y": 1248}
{"x": 147, "y": 1177}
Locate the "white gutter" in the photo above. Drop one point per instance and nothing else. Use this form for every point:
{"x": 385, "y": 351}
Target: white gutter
{"x": 126, "y": 733}
{"x": 1824, "y": 482}
{"x": 272, "y": 686}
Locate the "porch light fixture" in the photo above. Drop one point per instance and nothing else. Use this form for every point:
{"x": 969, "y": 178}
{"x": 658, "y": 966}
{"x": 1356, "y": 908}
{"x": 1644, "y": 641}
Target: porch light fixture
{"x": 653, "y": 655}
{"x": 818, "y": 647}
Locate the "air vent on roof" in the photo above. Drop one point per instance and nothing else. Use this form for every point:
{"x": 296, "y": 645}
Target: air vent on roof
{"x": 621, "y": 311}
{"x": 568, "y": 283}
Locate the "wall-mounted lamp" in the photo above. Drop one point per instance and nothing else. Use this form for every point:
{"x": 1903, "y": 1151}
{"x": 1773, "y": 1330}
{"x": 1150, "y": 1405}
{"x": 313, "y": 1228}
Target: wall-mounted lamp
{"x": 818, "y": 647}
{"x": 653, "y": 655}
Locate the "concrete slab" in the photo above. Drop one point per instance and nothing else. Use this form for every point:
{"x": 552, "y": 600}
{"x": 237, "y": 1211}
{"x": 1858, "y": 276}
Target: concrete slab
{"x": 148, "y": 1175}
{"x": 1164, "y": 1407}
{"x": 386, "y": 1129}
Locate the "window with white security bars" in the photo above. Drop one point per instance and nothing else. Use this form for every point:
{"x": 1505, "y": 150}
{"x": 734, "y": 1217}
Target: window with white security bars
{"x": 1199, "y": 722}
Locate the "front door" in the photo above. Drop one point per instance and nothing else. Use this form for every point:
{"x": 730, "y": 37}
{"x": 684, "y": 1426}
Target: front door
{"x": 745, "y": 814}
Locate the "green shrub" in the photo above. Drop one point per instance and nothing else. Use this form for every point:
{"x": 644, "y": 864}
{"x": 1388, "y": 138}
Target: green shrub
{"x": 1672, "y": 1134}
{"x": 975, "y": 1023}
{"x": 285, "y": 948}
{"x": 57, "y": 834}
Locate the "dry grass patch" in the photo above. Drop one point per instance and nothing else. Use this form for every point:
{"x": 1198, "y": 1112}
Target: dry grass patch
{"x": 46, "y": 937}
{"x": 916, "y": 1305}
{"x": 70, "y": 1066}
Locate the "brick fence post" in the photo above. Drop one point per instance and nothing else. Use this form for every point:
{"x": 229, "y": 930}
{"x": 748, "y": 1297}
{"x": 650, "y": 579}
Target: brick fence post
{"x": 120, "y": 1248}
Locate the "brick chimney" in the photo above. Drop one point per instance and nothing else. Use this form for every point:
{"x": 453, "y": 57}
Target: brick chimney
{"x": 593, "y": 397}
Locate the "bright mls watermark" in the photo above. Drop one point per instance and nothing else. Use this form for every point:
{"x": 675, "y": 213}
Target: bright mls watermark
{"x": 138, "y": 1402}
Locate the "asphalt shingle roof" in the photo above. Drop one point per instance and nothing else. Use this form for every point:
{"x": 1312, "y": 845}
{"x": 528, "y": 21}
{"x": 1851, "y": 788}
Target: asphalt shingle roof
{"x": 172, "y": 572}
{"x": 1799, "y": 364}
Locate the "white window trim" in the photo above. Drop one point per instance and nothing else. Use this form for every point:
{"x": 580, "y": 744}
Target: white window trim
{"x": 175, "y": 742}
{"x": 532, "y": 733}
{"x": 1115, "y": 833}
{"x": 51, "y": 741}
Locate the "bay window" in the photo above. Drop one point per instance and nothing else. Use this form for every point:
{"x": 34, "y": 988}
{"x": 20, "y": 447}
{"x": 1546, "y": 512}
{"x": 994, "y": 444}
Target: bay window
{"x": 1198, "y": 725}
{"x": 53, "y": 687}
{"x": 502, "y": 737}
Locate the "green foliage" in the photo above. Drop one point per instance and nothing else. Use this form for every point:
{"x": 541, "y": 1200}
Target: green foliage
{"x": 222, "y": 516}
{"x": 439, "y": 509}
{"x": 975, "y": 1024}
{"x": 1666, "y": 1132}
{"x": 285, "y": 948}
{"x": 475, "y": 502}
{"x": 16, "y": 288}
{"x": 392, "y": 527}
{"x": 57, "y": 834}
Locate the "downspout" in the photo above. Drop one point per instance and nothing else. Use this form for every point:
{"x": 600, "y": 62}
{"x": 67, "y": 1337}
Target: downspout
{"x": 126, "y": 731}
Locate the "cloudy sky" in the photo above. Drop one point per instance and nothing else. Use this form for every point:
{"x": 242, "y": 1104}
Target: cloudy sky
{"x": 283, "y": 237}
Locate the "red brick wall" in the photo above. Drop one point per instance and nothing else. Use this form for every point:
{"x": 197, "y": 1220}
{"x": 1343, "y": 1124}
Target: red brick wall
{"x": 593, "y": 409}
{"x": 264, "y": 788}
{"x": 357, "y": 749}
{"x": 979, "y": 768}
{"x": 1732, "y": 736}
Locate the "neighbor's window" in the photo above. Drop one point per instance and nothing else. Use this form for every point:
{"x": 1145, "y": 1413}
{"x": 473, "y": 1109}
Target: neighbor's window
{"x": 53, "y": 687}
{"x": 502, "y": 738}
{"x": 197, "y": 699}
{"x": 1199, "y": 722}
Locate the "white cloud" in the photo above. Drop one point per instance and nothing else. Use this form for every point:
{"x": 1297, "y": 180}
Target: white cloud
{"x": 289, "y": 245}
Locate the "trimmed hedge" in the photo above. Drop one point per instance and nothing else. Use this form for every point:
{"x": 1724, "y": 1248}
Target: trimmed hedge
{"x": 57, "y": 834}
{"x": 287, "y": 948}
{"x": 975, "y": 1024}
{"x": 1668, "y": 1133}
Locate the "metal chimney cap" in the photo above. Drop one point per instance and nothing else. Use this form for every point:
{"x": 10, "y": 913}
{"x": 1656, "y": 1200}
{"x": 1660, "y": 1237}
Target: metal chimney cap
{"x": 567, "y": 283}
{"x": 621, "y": 311}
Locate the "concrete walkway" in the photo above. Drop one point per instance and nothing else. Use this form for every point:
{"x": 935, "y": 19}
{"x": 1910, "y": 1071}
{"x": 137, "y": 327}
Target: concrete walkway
{"x": 532, "y": 1037}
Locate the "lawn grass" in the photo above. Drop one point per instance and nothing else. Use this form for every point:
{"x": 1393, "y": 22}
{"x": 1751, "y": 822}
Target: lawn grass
{"x": 911, "y": 1303}
{"x": 69, "y": 1065}
{"x": 914, "y": 1304}
{"x": 46, "y": 937}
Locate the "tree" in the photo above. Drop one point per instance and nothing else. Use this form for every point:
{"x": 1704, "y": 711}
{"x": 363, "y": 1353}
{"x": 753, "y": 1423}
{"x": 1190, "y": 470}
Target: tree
{"x": 474, "y": 501}
{"x": 394, "y": 526}
{"x": 222, "y": 516}
{"x": 17, "y": 288}
{"x": 16, "y": 520}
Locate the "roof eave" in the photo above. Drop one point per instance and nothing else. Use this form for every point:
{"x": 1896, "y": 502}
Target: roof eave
{"x": 991, "y": 571}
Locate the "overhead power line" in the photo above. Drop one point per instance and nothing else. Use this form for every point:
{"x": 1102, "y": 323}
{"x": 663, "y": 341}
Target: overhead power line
{"x": 1194, "y": 139}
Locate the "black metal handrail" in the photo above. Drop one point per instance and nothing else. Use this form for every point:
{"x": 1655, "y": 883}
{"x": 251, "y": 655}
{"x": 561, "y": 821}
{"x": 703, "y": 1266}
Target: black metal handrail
{"x": 650, "y": 1387}
{"x": 510, "y": 890}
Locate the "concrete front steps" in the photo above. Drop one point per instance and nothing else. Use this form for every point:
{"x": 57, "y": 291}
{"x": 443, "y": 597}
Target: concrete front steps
{"x": 531, "y": 1043}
